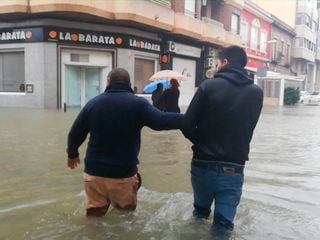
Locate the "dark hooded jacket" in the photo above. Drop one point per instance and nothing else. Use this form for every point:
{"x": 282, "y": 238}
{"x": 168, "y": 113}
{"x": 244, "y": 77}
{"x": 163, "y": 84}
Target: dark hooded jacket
{"x": 222, "y": 116}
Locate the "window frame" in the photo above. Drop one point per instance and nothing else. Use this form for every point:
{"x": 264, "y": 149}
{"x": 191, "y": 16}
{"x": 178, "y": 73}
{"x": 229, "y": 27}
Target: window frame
{"x": 254, "y": 38}
{"x": 237, "y": 17}
{"x": 20, "y": 91}
{"x": 244, "y": 33}
{"x": 263, "y": 41}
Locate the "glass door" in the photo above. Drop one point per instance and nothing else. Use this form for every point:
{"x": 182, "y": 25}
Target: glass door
{"x": 73, "y": 86}
{"x": 92, "y": 83}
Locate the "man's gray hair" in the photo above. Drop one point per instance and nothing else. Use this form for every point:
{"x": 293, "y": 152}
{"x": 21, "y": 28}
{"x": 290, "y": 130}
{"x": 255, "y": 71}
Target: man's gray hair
{"x": 119, "y": 75}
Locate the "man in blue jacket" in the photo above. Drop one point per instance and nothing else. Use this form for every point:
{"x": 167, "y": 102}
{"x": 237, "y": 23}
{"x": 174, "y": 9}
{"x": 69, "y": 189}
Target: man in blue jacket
{"x": 219, "y": 122}
{"x": 114, "y": 120}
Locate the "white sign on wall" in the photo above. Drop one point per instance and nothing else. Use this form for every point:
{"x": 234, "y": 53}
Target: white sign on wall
{"x": 187, "y": 86}
{"x": 183, "y": 49}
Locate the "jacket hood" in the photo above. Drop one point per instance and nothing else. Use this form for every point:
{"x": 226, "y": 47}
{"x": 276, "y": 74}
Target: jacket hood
{"x": 235, "y": 74}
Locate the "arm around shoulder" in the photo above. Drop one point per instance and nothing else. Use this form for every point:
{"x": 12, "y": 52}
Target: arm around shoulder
{"x": 158, "y": 120}
{"x": 191, "y": 118}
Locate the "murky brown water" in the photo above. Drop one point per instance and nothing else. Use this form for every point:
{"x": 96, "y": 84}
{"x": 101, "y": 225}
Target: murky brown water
{"x": 40, "y": 198}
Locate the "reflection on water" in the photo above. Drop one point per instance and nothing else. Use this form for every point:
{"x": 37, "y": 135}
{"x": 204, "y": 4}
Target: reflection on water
{"x": 42, "y": 199}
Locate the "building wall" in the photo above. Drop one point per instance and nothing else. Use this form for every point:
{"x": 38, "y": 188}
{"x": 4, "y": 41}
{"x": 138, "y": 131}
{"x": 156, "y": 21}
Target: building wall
{"x": 280, "y": 51}
{"x": 155, "y": 19}
{"x": 317, "y": 82}
{"x": 42, "y": 74}
{"x": 222, "y": 12}
{"x": 178, "y": 6}
{"x": 50, "y": 75}
{"x": 265, "y": 26}
{"x": 304, "y": 50}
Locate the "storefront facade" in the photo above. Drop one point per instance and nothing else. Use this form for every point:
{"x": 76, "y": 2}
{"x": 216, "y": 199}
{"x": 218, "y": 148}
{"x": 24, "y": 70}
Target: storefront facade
{"x": 50, "y": 67}
{"x": 183, "y": 58}
{"x": 55, "y": 54}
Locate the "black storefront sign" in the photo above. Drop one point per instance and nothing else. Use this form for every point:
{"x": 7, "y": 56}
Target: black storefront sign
{"x": 77, "y": 36}
{"x": 83, "y": 37}
{"x": 17, "y": 35}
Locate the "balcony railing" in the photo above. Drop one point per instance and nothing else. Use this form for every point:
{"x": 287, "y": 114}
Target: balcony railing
{"x": 300, "y": 52}
{"x": 165, "y": 3}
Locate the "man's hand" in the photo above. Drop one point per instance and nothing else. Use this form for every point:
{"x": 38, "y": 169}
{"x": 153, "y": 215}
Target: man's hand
{"x": 73, "y": 162}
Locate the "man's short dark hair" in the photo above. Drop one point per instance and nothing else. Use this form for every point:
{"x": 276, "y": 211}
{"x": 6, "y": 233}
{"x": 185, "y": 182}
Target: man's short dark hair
{"x": 234, "y": 55}
{"x": 119, "y": 75}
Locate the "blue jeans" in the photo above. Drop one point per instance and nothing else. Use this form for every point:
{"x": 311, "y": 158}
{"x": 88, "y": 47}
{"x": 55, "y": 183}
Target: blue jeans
{"x": 224, "y": 188}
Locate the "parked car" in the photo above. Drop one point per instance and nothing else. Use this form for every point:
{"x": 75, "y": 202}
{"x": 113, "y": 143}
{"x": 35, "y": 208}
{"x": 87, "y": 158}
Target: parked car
{"x": 304, "y": 96}
{"x": 313, "y": 99}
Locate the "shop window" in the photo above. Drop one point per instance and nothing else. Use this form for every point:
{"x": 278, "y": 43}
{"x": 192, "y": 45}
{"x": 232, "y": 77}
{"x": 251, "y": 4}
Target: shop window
{"x": 275, "y": 89}
{"x": 271, "y": 88}
{"x": 12, "y": 77}
{"x": 143, "y": 70}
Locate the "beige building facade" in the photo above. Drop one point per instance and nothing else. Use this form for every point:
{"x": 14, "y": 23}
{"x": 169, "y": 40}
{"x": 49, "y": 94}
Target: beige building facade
{"x": 65, "y": 48}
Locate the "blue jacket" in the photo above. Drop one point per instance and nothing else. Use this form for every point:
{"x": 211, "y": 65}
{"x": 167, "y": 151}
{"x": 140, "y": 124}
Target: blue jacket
{"x": 114, "y": 120}
{"x": 222, "y": 116}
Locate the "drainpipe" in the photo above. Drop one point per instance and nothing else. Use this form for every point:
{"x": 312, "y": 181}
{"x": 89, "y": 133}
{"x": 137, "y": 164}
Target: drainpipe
{"x": 28, "y": 6}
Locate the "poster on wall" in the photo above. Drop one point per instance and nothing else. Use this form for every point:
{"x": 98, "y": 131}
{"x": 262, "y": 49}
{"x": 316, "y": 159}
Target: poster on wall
{"x": 186, "y": 67}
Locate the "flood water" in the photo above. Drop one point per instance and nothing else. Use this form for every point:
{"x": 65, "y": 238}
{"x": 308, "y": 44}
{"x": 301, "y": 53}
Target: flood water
{"x": 40, "y": 198}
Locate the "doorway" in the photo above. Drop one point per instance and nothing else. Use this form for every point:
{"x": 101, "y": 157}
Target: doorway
{"x": 82, "y": 84}
{"x": 83, "y": 75}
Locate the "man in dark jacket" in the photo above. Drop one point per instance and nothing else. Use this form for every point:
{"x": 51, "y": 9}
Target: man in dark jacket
{"x": 114, "y": 120}
{"x": 220, "y": 122}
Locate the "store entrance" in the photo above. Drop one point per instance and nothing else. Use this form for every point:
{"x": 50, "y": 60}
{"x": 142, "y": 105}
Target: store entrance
{"x": 82, "y": 84}
{"x": 83, "y": 75}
